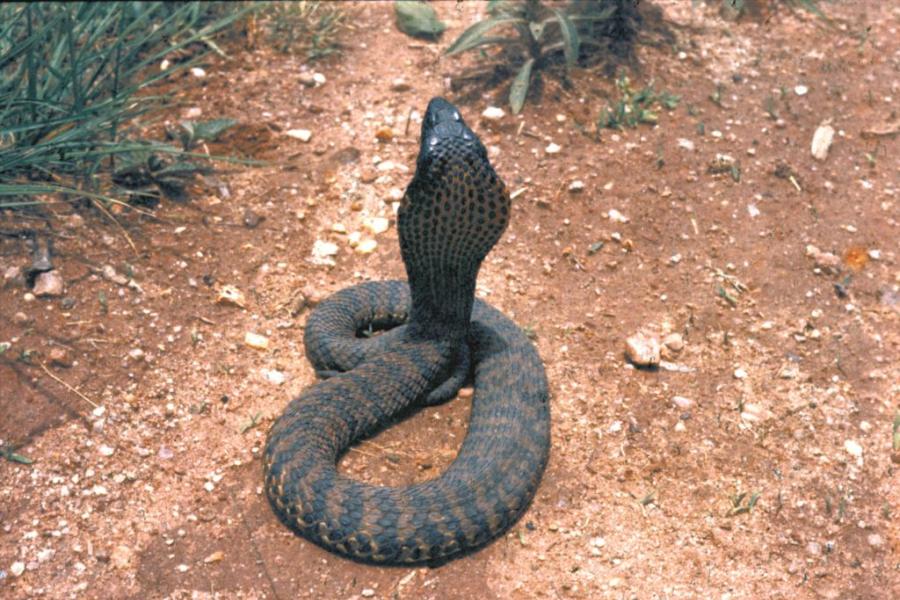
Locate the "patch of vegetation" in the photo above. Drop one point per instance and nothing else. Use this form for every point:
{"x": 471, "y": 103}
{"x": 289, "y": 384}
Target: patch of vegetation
{"x": 307, "y": 28}
{"x": 72, "y": 90}
{"x": 545, "y": 33}
{"x": 635, "y": 106}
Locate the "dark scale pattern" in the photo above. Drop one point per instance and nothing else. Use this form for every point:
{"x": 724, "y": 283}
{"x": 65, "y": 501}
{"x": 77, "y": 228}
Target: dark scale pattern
{"x": 454, "y": 211}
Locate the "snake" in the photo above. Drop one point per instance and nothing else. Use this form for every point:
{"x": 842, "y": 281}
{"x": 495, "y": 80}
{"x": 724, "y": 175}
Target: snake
{"x": 435, "y": 336}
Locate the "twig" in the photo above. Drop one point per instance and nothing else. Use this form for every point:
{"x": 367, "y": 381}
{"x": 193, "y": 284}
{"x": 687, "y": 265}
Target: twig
{"x": 67, "y": 386}
{"x": 110, "y": 216}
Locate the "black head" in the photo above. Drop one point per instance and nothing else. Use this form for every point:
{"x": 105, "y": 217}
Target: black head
{"x": 454, "y": 211}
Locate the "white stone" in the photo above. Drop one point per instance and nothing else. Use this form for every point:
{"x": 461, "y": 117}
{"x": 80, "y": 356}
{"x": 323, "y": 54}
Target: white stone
{"x": 304, "y": 135}
{"x": 552, "y": 148}
{"x": 493, "y": 113}
{"x": 617, "y": 217}
{"x": 821, "y": 141}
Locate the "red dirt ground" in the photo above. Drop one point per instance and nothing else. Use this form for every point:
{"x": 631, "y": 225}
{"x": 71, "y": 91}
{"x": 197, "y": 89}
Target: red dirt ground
{"x": 790, "y": 390}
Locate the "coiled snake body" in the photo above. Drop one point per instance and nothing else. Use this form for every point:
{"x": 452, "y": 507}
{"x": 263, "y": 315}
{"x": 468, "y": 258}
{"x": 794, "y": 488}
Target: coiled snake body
{"x": 455, "y": 209}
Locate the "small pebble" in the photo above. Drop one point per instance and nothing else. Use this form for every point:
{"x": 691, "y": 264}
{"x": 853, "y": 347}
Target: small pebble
{"x": 229, "y": 294}
{"x": 493, "y": 113}
{"x": 106, "y": 450}
{"x": 366, "y": 246}
{"x": 256, "y": 341}
{"x": 674, "y": 342}
{"x": 376, "y": 225}
{"x": 740, "y": 373}
{"x": 821, "y": 142}
{"x": 617, "y": 217}
{"x": 682, "y": 402}
{"x": 801, "y": 90}
{"x": 322, "y": 252}
{"x": 576, "y": 186}
{"x": 198, "y": 72}
{"x": 367, "y": 592}
{"x": 400, "y": 85}
{"x": 552, "y": 148}
{"x": 686, "y": 144}
{"x": 875, "y": 540}
{"x": 642, "y": 350}
{"x": 304, "y": 135}
{"x": 17, "y": 568}
{"x": 49, "y": 283}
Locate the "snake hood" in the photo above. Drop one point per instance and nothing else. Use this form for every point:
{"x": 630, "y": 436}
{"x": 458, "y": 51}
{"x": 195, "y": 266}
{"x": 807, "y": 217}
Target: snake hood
{"x": 454, "y": 211}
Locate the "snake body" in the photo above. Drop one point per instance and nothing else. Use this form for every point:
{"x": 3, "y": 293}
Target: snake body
{"x": 454, "y": 210}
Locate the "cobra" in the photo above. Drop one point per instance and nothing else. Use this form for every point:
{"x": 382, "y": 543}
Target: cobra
{"x": 437, "y": 335}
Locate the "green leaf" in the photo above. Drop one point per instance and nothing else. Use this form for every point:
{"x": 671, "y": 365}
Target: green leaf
{"x": 570, "y": 37}
{"x": 471, "y": 37}
{"x": 519, "y": 89}
{"x": 418, "y": 19}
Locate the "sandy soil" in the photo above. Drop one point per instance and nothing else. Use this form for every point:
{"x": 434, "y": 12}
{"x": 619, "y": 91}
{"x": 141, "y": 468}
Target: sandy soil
{"x": 146, "y": 482}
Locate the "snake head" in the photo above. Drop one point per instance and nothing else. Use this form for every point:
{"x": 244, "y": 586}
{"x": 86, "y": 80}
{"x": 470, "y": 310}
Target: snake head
{"x": 454, "y": 211}
{"x": 441, "y": 126}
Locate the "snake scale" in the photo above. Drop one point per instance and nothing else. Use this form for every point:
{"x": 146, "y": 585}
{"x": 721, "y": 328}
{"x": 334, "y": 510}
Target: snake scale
{"x": 437, "y": 334}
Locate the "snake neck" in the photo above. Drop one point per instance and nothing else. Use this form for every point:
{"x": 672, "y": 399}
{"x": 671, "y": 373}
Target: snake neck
{"x": 442, "y": 295}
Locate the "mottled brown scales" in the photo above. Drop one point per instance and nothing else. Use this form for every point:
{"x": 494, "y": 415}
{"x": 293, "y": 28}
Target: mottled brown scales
{"x": 454, "y": 211}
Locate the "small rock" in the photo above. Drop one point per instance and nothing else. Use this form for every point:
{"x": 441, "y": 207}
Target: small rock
{"x": 686, "y": 144}
{"x": 215, "y": 557}
{"x": 384, "y": 134}
{"x": 854, "y": 449}
{"x": 680, "y": 426}
{"x": 682, "y": 402}
{"x": 110, "y": 274}
{"x": 256, "y": 341}
{"x": 73, "y": 221}
{"x": 366, "y": 246}
{"x": 319, "y": 78}
{"x": 121, "y": 557}
{"x": 400, "y": 85}
{"x": 576, "y": 186}
{"x": 367, "y": 592}
{"x": 106, "y": 450}
{"x": 339, "y": 228}
{"x": 740, "y": 373}
{"x": 617, "y": 217}
{"x": 642, "y": 350}
{"x": 21, "y": 318}
{"x": 814, "y": 548}
{"x": 229, "y": 294}
{"x": 376, "y": 225}
{"x": 821, "y": 142}
{"x": 273, "y": 376}
{"x": 17, "y": 568}
{"x": 322, "y": 252}
{"x": 674, "y": 342}
{"x": 754, "y": 413}
{"x": 13, "y": 275}
{"x": 552, "y": 148}
{"x": 304, "y": 135}
{"x": 875, "y": 540}
{"x": 49, "y": 284}
{"x": 801, "y": 90}
{"x": 182, "y": 568}
{"x": 136, "y": 354}
{"x": 198, "y": 72}
{"x": 306, "y": 79}
{"x": 251, "y": 219}
{"x": 493, "y": 113}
